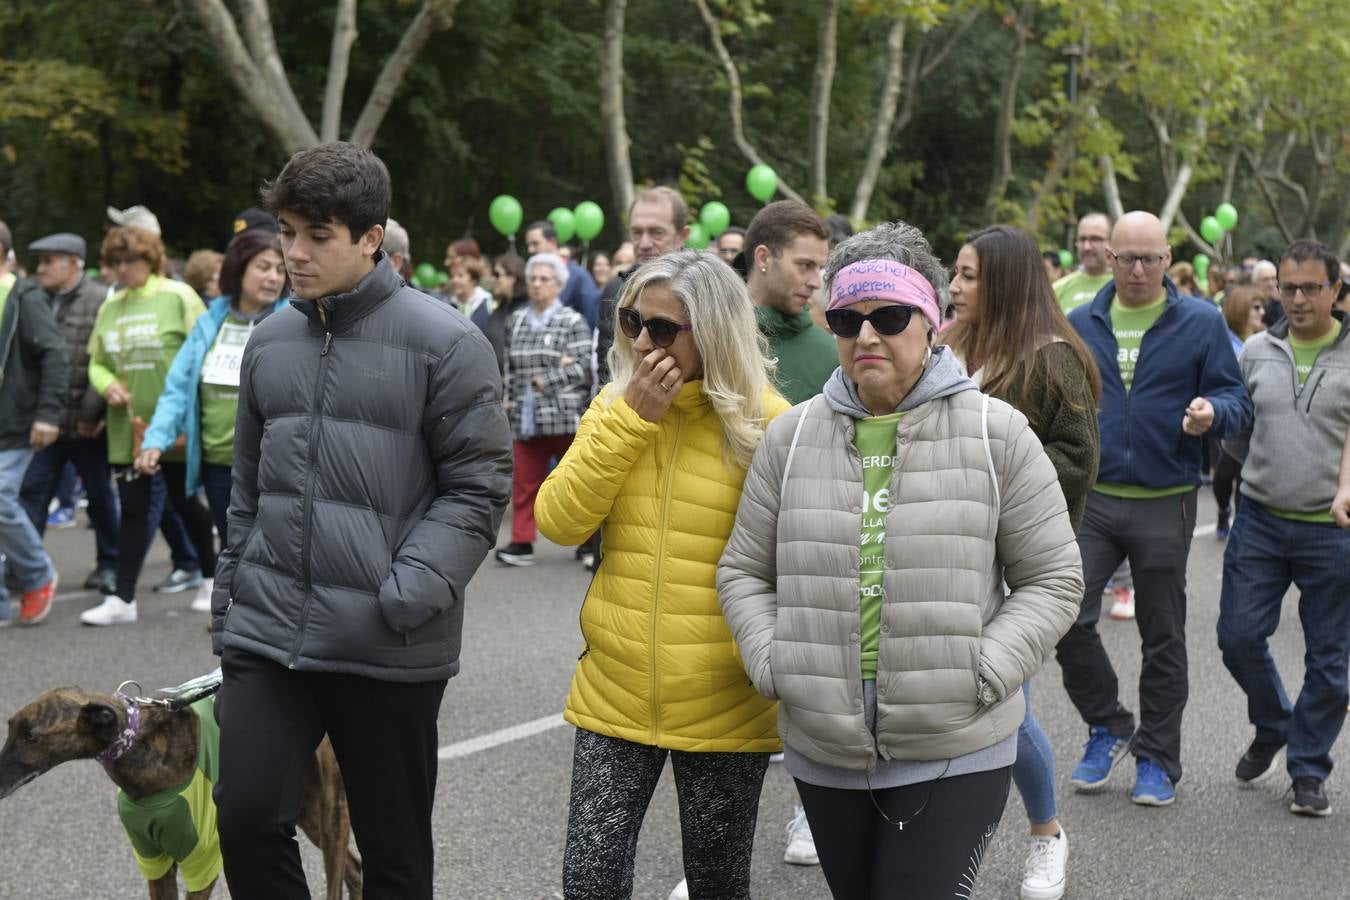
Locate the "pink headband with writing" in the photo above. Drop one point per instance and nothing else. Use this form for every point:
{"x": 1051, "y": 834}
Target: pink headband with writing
{"x": 884, "y": 279}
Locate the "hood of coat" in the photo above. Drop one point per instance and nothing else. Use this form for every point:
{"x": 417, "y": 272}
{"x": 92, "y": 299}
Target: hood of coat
{"x": 942, "y": 377}
{"x": 775, "y": 326}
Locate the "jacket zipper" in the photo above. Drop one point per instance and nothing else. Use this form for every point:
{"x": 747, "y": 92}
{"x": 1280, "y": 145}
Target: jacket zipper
{"x": 660, "y": 560}
{"x": 1316, "y": 385}
{"x": 307, "y": 526}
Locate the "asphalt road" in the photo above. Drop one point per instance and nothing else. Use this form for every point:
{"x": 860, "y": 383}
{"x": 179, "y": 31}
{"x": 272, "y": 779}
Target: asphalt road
{"x": 501, "y": 812}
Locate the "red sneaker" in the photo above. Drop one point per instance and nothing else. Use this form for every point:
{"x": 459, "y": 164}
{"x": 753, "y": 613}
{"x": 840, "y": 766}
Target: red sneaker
{"x": 37, "y": 603}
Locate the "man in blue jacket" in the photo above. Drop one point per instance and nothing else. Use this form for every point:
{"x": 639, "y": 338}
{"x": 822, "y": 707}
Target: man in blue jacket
{"x": 580, "y": 292}
{"x": 1169, "y": 377}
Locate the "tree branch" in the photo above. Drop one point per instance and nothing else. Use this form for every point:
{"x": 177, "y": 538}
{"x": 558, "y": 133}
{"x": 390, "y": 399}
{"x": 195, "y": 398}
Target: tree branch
{"x": 613, "y": 123}
{"x": 822, "y": 87}
{"x": 734, "y": 98}
{"x": 1183, "y": 175}
{"x": 998, "y": 184}
{"x": 881, "y": 131}
{"x": 344, "y": 35}
{"x": 433, "y": 16}
{"x": 263, "y": 44}
{"x": 1195, "y": 237}
{"x": 1254, "y": 163}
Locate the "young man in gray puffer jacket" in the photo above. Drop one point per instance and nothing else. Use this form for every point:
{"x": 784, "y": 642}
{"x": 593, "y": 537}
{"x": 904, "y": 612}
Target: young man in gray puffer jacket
{"x": 372, "y": 463}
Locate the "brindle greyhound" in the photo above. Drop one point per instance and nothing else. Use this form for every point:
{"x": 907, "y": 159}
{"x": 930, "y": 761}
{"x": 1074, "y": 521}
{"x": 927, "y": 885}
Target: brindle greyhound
{"x": 67, "y": 723}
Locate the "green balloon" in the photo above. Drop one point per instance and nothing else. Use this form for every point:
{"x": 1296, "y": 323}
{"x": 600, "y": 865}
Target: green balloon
{"x": 425, "y": 275}
{"x": 1065, "y": 259}
{"x": 1201, "y": 264}
{"x": 1226, "y": 215}
{"x": 715, "y": 217}
{"x": 1210, "y": 229}
{"x": 505, "y": 214}
{"x": 590, "y": 219}
{"x": 564, "y": 223}
{"x": 698, "y": 238}
{"x": 442, "y": 278}
{"x": 761, "y": 182}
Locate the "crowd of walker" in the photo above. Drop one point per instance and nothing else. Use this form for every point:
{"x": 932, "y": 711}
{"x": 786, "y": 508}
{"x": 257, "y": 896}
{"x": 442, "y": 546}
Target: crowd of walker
{"x": 841, "y": 502}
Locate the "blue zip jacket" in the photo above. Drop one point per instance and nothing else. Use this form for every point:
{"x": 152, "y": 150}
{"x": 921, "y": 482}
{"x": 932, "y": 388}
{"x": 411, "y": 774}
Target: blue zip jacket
{"x": 177, "y": 411}
{"x": 1186, "y": 354}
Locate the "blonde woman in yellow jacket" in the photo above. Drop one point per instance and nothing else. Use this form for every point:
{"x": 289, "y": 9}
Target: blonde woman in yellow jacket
{"x": 657, "y": 464}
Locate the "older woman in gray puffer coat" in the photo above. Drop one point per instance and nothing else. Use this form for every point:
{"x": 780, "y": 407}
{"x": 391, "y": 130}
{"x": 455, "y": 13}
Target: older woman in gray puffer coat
{"x": 865, "y": 584}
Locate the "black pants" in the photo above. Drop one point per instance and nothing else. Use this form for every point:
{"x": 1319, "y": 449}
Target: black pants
{"x": 134, "y": 540}
{"x": 384, "y": 735}
{"x": 1227, "y": 478}
{"x": 1155, "y": 535}
{"x": 948, "y": 825}
{"x": 612, "y": 783}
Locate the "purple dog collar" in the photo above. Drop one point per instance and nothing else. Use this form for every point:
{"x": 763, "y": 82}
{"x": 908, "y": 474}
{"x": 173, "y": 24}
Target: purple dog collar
{"x": 127, "y": 738}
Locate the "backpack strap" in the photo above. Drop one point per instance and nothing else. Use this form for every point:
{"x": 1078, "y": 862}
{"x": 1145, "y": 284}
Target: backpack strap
{"x": 792, "y": 448}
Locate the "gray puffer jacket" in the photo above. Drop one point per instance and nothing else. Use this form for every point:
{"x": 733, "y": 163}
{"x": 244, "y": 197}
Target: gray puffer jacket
{"x": 788, "y": 580}
{"x": 372, "y": 463}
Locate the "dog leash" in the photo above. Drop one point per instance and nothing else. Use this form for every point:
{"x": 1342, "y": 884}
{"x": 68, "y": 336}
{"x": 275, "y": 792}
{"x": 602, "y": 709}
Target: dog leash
{"x": 180, "y": 697}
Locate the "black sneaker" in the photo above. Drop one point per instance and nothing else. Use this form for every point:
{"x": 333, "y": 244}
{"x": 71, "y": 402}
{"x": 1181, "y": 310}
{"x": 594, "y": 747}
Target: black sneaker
{"x": 516, "y": 555}
{"x": 1310, "y": 798}
{"x": 1261, "y": 760}
{"x": 102, "y": 580}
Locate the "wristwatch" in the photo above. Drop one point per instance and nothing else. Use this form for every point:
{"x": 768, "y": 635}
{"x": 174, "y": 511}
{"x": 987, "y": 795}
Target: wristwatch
{"x": 985, "y": 693}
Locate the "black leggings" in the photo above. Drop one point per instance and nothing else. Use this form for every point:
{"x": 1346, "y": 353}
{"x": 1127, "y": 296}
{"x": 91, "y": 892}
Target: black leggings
{"x": 948, "y": 825}
{"x": 612, "y": 783}
{"x": 1227, "y": 478}
{"x": 134, "y": 540}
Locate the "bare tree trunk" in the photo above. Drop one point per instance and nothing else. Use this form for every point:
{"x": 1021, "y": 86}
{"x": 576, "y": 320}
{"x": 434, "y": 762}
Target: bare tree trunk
{"x": 881, "y": 132}
{"x": 734, "y": 99}
{"x": 1054, "y": 174}
{"x": 1007, "y": 108}
{"x": 822, "y": 87}
{"x": 1111, "y": 187}
{"x": 1204, "y": 245}
{"x": 434, "y": 15}
{"x": 344, "y": 35}
{"x": 262, "y": 44}
{"x": 1179, "y": 176}
{"x": 613, "y": 124}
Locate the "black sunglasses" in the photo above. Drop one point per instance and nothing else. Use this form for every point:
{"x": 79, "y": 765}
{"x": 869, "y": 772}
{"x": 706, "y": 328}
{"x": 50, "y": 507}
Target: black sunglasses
{"x": 662, "y": 332}
{"x": 888, "y": 320}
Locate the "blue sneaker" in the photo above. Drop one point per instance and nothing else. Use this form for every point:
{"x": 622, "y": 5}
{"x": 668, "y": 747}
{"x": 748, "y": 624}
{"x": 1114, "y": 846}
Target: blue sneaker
{"x": 1101, "y": 752}
{"x": 62, "y": 517}
{"x": 1152, "y": 787}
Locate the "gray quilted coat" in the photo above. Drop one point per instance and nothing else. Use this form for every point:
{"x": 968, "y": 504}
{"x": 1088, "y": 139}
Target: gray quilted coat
{"x": 788, "y": 580}
{"x": 372, "y": 463}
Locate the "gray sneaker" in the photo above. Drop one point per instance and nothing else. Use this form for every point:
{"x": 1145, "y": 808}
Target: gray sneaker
{"x": 179, "y": 580}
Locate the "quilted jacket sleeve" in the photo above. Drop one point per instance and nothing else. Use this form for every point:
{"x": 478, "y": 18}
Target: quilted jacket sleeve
{"x": 469, "y": 442}
{"x": 747, "y": 576}
{"x": 1040, "y": 560}
{"x": 578, "y": 494}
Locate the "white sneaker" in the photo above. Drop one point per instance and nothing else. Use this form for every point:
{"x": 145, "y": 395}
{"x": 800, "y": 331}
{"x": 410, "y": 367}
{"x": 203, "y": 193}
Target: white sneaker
{"x": 202, "y": 602}
{"x": 112, "y": 611}
{"x": 801, "y": 846}
{"x": 1044, "y": 877}
{"x": 681, "y": 891}
{"x": 776, "y": 757}
{"x": 1123, "y": 608}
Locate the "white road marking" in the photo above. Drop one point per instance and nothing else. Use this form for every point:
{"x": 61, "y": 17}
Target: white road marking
{"x": 503, "y": 736}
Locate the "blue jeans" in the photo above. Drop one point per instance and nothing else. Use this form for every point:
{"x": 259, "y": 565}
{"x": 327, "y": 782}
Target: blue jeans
{"x": 1034, "y": 771}
{"x": 90, "y": 459}
{"x": 19, "y": 541}
{"x": 218, "y": 482}
{"x": 1264, "y": 555}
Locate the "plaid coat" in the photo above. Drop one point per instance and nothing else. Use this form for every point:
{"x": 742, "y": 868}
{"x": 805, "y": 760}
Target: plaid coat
{"x": 559, "y": 404}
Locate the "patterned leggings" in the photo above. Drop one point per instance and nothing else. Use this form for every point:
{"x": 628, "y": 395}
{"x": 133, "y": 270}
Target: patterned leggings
{"x": 612, "y": 783}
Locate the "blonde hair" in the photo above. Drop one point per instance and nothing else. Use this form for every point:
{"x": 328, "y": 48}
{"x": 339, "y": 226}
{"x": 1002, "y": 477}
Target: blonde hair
{"x": 736, "y": 367}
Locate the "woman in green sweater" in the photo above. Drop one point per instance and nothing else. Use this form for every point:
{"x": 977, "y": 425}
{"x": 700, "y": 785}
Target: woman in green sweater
{"x": 1019, "y": 347}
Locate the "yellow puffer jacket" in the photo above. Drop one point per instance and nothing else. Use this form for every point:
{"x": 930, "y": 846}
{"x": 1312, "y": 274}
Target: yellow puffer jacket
{"x": 659, "y": 665}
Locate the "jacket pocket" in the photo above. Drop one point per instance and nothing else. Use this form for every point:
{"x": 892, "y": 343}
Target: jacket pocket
{"x": 412, "y": 596}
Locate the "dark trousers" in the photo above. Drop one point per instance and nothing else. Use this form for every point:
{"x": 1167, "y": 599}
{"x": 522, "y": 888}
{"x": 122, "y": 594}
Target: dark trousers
{"x": 136, "y": 527}
{"x": 217, "y": 482}
{"x": 1155, "y": 535}
{"x": 90, "y": 458}
{"x": 948, "y": 825}
{"x": 612, "y": 783}
{"x": 384, "y": 736}
{"x": 1227, "y": 478}
{"x": 164, "y": 517}
{"x": 1265, "y": 554}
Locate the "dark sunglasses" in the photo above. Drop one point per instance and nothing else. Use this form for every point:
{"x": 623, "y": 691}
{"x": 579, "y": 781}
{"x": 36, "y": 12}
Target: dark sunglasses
{"x": 887, "y": 320}
{"x": 662, "y": 332}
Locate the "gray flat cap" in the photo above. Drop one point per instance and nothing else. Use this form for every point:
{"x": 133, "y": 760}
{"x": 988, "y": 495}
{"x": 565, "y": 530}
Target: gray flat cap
{"x": 63, "y": 242}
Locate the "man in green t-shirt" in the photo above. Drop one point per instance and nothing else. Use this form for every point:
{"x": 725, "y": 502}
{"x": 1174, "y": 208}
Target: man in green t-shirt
{"x": 1077, "y": 288}
{"x": 1298, "y": 375}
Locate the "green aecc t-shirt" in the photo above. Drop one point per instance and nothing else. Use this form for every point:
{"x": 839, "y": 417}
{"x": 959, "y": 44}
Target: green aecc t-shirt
{"x": 219, "y": 389}
{"x": 875, "y": 440}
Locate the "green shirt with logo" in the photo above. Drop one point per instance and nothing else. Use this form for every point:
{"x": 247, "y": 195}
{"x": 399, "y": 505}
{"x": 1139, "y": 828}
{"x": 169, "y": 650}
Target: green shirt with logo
{"x": 135, "y": 338}
{"x": 1130, "y": 324}
{"x": 875, "y": 440}
{"x": 1077, "y": 288}
{"x": 219, "y": 390}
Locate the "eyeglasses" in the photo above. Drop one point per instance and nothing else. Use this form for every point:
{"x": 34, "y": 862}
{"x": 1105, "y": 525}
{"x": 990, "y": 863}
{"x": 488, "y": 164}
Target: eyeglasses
{"x": 1310, "y": 290}
{"x": 1127, "y": 260}
{"x": 888, "y": 320}
{"x": 662, "y": 332}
